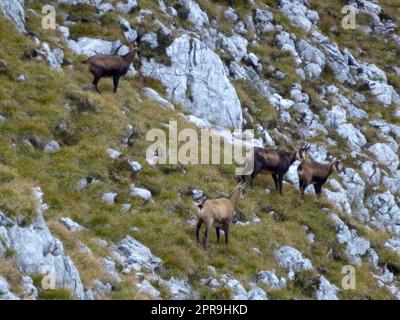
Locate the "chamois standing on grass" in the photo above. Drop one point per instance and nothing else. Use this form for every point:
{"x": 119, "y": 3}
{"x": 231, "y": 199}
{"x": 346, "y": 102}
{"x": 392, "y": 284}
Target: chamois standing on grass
{"x": 217, "y": 213}
{"x": 312, "y": 172}
{"x": 275, "y": 161}
{"x": 114, "y": 66}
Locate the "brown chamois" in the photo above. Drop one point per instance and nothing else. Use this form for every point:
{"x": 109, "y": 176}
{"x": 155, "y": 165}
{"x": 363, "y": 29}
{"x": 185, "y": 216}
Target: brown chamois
{"x": 217, "y": 213}
{"x": 312, "y": 172}
{"x": 114, "y": 66}
{"x": 274, "y": 161}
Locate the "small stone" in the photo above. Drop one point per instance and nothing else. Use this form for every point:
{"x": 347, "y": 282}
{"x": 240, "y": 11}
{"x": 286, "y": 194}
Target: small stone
{"x": 21, "y": 78}
{"x": 71, "y": 225}
{"x": 141, "y": 192}
{"x": 82, "y": 184}
{"x": 151, "y": 39}
{"x": 109, "y": 197}
{"x": 126, "y": 207}
{"x": 51, "y": 147}
{"x": 100, "y": 242}
{"x": 146, "y": 288}
{"x": 113, "y": 154}
{"x": 84, "y": 248}
{"x": 212, "y": 270}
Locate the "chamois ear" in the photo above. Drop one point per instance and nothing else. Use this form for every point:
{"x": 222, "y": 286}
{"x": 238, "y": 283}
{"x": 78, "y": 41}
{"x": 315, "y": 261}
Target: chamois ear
{"x": 117, "y": 49}
{"x": 302, "y": 151}
{"x": 243, "y": 187}
{"x": 306, "y": 146}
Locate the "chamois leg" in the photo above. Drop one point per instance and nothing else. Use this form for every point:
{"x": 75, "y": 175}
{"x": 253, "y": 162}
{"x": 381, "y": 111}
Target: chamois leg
{"x": 253, "y": 176}
{"x": 243, "y": 179}
{"x": 218, "y": 229}
{"x": 226, "y": 231}
{"x": 280, "y": 182}
{"x": 302, "y": 187}
{"x": 116, "y": 82}
{"x": 318, "y": 189}
{"x": 275, "y": 177}
{"x": 96, "y": 80}
{"x": 206, "y": 233}
{"x": 198, "y": 226}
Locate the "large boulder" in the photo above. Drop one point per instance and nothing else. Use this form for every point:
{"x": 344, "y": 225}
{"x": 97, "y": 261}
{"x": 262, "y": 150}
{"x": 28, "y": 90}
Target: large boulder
{"x": 356, "y": 247}
{"x": 197, "y": 80}
{"x": 392, "y": 183}
{"x": 14, "y": 10}
{"x": 386, "y": 128}
{"x": 236, "y": 46}
{"x": 196, "y": 15}
{"x": 385, "y": 155}
{"x": 299, "y": 14}
{"x": 263, "y": 21}
{"x": 91, "y": 46}
{"x": 292, "y": 260}
{"x": 326, "y": 290}
{"x": 338, "y": 197}
{"x": 37, "y": 251}
{"x": 387, "y": 212}
{"x": 334, "y": 58}
{"x": 313, "y": 58}
{"x": 336, "y": 118}
{"x": 271, "y": 280}
{"x": 382, "y": 92}
{"x": 355, "y": 189}
{"x": 5, "y": 293}
{"x": 371, "y": 172}
{"x": 126, "y": 6}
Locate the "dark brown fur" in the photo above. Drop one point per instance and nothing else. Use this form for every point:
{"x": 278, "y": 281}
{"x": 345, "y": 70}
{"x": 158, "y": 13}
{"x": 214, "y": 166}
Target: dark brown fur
{"x": 275, "y": 161}
{"x": 312, "y": 172}
{"x": 114, "y": 66}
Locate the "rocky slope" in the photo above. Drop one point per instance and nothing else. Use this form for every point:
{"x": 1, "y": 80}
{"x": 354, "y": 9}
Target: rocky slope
{"x": 286, "y": 69}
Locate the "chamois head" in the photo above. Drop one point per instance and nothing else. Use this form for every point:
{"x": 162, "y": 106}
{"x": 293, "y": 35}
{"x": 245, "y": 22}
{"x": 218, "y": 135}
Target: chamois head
{"x": 243, "y": 187}
{"x": 302, "y": 152}
{"x": 238, "y": 192}
{"x": 133, "y": 55}
{"x": 338, "y": 166}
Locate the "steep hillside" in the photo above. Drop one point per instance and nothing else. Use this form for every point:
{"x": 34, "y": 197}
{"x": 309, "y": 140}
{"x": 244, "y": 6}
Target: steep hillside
{"x": 122, "y": 227}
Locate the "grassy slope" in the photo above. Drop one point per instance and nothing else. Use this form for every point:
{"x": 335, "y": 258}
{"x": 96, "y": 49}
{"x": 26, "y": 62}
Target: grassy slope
{"x": 38, "y": 105}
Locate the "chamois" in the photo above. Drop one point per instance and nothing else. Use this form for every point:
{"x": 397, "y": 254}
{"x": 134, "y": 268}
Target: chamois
{"x": 275, "y": 161}
{"x": 312, "y": 172}
{"x": 217, "y": 213}
{"x": 114, "y": 66}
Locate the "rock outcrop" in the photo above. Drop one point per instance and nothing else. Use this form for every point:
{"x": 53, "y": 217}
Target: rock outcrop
{"x": 38, "y": 252}
{"x": 14, "y": 9}
{"x": 198, "y": 81}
